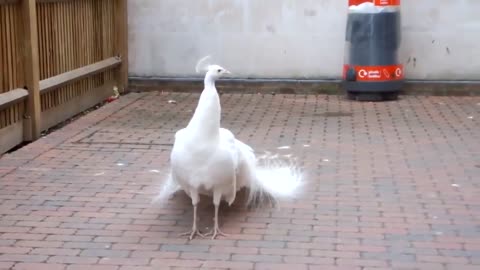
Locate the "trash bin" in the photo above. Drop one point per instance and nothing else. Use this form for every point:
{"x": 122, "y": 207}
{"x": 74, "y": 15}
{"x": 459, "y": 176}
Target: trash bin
{"x": 372, "y": 71}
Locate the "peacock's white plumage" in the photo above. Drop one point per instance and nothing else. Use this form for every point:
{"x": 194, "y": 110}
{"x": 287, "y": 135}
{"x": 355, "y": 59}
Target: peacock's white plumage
{"x": 208, "y": 160}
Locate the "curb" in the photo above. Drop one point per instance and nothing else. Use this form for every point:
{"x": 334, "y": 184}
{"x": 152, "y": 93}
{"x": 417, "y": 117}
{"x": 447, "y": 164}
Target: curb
{"x": 285, "y": 86}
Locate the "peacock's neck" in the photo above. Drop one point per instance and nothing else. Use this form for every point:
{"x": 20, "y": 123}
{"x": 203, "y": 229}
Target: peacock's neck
{"x": 209, "y": 83}
{"x": 206, "y": 119}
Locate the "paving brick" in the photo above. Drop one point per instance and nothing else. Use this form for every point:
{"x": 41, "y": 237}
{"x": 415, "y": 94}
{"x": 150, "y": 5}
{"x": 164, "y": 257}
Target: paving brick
{"x": 336, "y": 267}
{"x": 39, "y": 266}
{"x": 205, "y": 256}
{"x": 125, "y": 261}
{"x": 361, "y": 262}
{"x": 22, "y": 236}
{"x": 228, "y": 265}
{"x": 44, "y": 224}
{"x": 185, "y": 248}
{"x": 280, "y": 266}
{"x": 57, "y": 213}
{"x": 179, "y": 263}
{"x": 92, "y": 267}
{"x": 130, "y": 267}
{"x": 117, "y": 239}
{"x": 5, "y": 243}
{"x": 470, "y": 246}
{"x": 14, "y": 229}
{"x": 74, "y": 238}
{"x": 155, "y": 254}
{"x": 151, "y": 234}
{"x": 335, "y": 254}
{"x": 87, "y": 226}
{"x": 461, "y": 267}
{"x": 257, "y": 258}
{"x": 56, "y": 251}
{"x": 110, "y": 220}
{"x": 361, "y": 248}
{"x": 53, "y": 231}
{"x": 244, "y": 236}
{"x": 39, "y": 244}
{"x": 308, "y": 245}
{"x": 128, "y": 227}
{"x": 21, "y": 217}
{"x": 442, "y": 259}
{"x": 437, "y": 245}
{"x": 73, "y": 260}
{"x": 283, "y": 251}
{"x": 66, "y": 219}
{"x": 162, "y": 240}
{"x": 100, "y": 215}
{"x": 104, "y": 253}
{"x": 6, "y": 265}
{"x": 14, "y": 250}
{"x": 417, "y": 265}
{"x": 236, "y": 250}
{"x": 397, "y": 257}
{"x": 98, "y": 232}
{"x": 220, "y": 242}
{"x": 258, "y": 244}
{"x": 22, "y": 258}
{"x": 134, "y": 247}
{"x": 308, "y": 260}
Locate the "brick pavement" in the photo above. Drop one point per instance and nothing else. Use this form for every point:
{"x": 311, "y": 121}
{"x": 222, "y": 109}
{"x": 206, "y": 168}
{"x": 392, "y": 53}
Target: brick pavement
{"x": 391, "y": 186}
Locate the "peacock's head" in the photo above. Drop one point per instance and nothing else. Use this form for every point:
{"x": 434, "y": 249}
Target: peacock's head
{"x": 216, "y": 71}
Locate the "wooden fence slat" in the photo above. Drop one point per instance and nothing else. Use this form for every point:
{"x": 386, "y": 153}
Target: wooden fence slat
{"x": 8, "y": 48}
{"x": 2, "y": 63}
{"x": 121, "y": 43}
{"x": 11, "y": 136}
{"x": 77, "y": 74}
{"x": 32, "y": 74}
{"x": 8, "y": 2}
{"x": 11, "y": 97}
{"x": 76, "y": 105}
{"x": 13, "y": 41}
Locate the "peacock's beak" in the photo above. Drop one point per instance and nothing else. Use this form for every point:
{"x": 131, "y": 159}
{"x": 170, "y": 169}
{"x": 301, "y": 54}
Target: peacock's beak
{"x": 227, "y": 72}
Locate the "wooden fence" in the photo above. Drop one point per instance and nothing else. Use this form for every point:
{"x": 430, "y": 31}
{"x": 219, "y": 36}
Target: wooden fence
{"x": 57, "y": 59}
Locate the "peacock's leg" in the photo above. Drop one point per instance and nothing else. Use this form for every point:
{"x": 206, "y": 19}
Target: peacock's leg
{"x": 216, "y": 229}
{"x": 195, "y": 199}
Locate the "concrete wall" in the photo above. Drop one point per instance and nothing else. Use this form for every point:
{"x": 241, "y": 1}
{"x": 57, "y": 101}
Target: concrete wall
{"x": 294, "y": 38}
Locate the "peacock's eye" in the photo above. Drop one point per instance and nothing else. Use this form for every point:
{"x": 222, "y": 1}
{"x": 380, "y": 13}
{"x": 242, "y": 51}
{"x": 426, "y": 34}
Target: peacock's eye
{"x": 219, "y": 70}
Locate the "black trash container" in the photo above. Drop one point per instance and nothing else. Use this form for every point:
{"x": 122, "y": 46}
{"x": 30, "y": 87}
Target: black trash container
{"x": 372, "y": 71}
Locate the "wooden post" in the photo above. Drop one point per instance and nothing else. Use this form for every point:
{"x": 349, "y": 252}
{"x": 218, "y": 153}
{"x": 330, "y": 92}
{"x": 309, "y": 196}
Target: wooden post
{"x": 32, "y": 73}
{"x": 121, "y": 43}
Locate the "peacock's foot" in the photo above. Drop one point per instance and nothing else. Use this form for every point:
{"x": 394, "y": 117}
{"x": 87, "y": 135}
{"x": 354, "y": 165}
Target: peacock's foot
{"x": 192, "y": 234}
{"x": 216, "y": 232}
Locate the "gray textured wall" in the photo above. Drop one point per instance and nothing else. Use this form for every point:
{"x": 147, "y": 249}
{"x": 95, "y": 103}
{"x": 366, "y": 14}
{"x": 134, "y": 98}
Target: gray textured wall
{"x": 294, "y": 38}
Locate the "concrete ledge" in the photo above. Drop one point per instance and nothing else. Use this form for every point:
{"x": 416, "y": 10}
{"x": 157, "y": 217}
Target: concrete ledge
{"x": 286, "y": 86}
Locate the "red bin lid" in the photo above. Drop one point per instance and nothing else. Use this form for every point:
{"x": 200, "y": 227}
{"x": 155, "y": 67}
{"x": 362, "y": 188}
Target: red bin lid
{"x": 376, "y": 2}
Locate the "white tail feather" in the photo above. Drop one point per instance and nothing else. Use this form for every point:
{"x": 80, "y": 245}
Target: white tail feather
{"x": 169, "y": 188}
{"x": 275, "y": 180}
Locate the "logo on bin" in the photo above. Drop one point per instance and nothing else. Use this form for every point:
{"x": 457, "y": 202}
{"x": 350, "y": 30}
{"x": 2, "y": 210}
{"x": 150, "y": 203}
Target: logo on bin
{"x": 362, "y": 73}
{"x": 385, "y": 72}
{"x": 374, "y": 74}
{"x": 378, "y": 73}
{"x": 375, "y": 2}
{"x": 398, "y": 72}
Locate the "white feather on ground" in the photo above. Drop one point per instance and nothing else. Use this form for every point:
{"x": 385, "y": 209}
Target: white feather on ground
{"x": 208, "y": 160}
